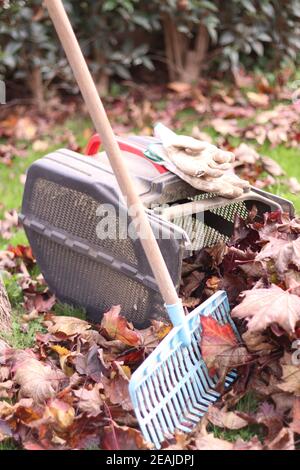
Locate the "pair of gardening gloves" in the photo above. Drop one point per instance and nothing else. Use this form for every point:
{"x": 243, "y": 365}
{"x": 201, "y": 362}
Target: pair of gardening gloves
{"x": 199, "y": 163}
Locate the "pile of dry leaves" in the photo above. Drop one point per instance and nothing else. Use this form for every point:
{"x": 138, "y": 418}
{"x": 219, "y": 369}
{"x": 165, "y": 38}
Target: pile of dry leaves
{"x": 70, "y": 391}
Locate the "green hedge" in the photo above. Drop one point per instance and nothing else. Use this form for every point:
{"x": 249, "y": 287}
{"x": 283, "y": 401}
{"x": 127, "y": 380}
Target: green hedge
{"x": 186, "y": 36}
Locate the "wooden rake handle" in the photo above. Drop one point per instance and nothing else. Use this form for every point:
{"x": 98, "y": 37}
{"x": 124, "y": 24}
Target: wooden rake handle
{"x": 99, "y": 117}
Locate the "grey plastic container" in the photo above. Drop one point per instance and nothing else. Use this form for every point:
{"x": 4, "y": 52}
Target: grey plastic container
{"x": 62, "y": 194}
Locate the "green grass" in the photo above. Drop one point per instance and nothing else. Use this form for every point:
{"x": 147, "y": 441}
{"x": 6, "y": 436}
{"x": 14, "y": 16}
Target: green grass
{"x": 66, "y": 310}
{"x": 9, "y": 444}
{"x": 289, "y": 160}
{"x": 11, "y": 188}
{"x": 248, "y": 404}
{"x": 13, "y": 289}
{"x": 18, "y": 338}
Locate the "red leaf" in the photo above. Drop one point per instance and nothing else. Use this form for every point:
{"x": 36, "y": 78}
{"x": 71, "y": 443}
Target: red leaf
{"x": 220, "y": 347}
{"x": 117, "y": 327}
{"x": 23, "y": 252}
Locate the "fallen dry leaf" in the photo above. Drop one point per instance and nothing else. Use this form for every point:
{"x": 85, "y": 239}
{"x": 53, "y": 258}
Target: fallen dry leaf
{"x": 220, "y": 348}
{"x": 262, "y": 307}
{"x": 68, "y": 326}
{"x": 116, "y": 386}
{"x": 25, "y": 129}
{"x": 40, "y": 145}
{"x": 90, "y": 364}
{"x": 90, "y": 401}
{"x": 118, "y": 328}
{"x": 60, "y": 412}
{"x": 283, "y": 252}
{"x": 226, "y": 126}
{"x": 225, "y": 419}
{"x": 179, "y": 87}
{"x": 245, "y": 155}
{"x": 209, "y": 442}
{"x": 258, "y": 100}
{"x": 271, "y": 166}
{"x": 290, "y": 379}
{"x": 123, "y": 438}
{"x": 36, "y": 380}
{"x": 295, "y": 424}
{"x": 293, "y": 185}
{"x": 283, "y": 441}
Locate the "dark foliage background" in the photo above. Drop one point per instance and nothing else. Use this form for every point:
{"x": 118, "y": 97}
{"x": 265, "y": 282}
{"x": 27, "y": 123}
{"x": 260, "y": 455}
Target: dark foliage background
{"x": 170, "y": 40}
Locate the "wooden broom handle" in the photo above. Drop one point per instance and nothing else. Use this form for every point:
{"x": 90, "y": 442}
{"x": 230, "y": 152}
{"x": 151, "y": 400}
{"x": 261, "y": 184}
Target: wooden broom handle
{"x": 99, "y": 117}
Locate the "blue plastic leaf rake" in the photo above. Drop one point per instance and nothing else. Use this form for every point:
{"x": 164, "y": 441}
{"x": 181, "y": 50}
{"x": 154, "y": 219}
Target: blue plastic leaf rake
{"x": 172, "y": 389}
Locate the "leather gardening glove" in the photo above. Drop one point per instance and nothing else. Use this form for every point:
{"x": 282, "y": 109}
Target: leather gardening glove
{"x": 194, "y": 157}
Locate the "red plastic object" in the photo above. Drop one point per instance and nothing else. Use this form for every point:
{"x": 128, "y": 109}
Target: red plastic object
{"x": 95, "y": 143}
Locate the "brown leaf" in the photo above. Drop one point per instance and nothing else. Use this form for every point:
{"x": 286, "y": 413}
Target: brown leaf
{"x": 295, "y": 424}
{"x": 262, "y": 307}
{"x": 209, "y": 442}
{"x": 89, "y": 401}
{"x": 68, "y": 326}
{"x": 123, "y": 438}
{"x": 37, "y": 380}
{"x": 245, "y": 155}
{"x": 271, "y": 166}
{"x": 190, "y": 302}
{"x": 116, "y": 386}
{"x": 259, "y": 100}
{"x": 291, "y": 379}
{"x": 217, "y": 253}
{"x": 252, "y": 444}
{"x": 179, "y": 87}
{"x": 9, "y": 222}
{"x": 90, "y": 364}
{"x": 191, "y": 283}
{"x": 25, "y": 129}
{"x": 294, "y": 185}
{"x": 225, "y": 419}
{"x": 5, "y": 388}
{"x": 8, "y": 152}
{"x": 117, "y": 327}
{"x": 283, "y": 441}
{"x": 181, "y": 441}
{"x": 283, "y": 252}
{"x": 225, "y": 126}
{"x": 39, "y": 303}
{"x": 40, "y": 145}
{"x": 283, "y": 402}
{"x": 258, "y": 342}
{"x": 242, "y": 79}
{"x": 269, "y": 417}
{"x": 60, "y": 412}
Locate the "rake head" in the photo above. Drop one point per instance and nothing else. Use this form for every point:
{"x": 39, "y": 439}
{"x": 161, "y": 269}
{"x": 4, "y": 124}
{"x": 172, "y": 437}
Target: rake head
{"x": 172, "y": 389}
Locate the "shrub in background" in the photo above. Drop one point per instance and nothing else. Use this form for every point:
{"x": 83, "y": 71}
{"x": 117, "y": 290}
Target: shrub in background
{"x": 190, "y": 36}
